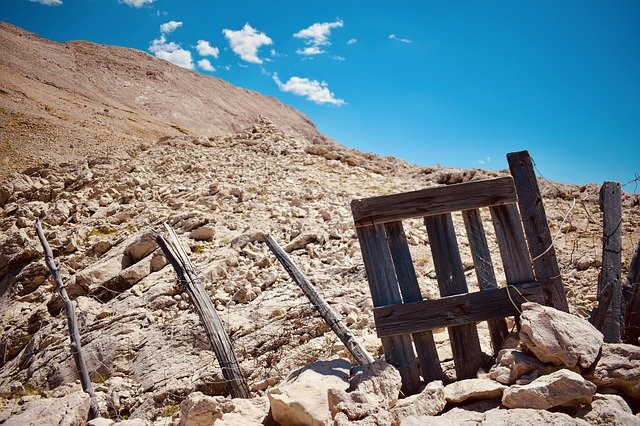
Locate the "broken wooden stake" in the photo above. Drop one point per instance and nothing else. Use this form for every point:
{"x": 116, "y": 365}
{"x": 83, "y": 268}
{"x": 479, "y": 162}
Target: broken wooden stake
{"x": 201, "y": 301}
{"x": 631, "y": 333}
{"x": 607, "y": 317}
{"x": 74, "y": 334}
{"x": 330, "y": 317}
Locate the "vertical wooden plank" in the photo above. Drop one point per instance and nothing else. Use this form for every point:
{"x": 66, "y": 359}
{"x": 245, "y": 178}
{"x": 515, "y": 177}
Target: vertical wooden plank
{"x": 410, "y": 290}
{"x": 534, "y": 220}
{"x": 385, "y": 291}
{"x": 512, "y": 244}
{"x": 465, "y": 344}
{"x": 484, "y": 270}
{"x": 610, "y": 285}
{"x": 631, "y": 332}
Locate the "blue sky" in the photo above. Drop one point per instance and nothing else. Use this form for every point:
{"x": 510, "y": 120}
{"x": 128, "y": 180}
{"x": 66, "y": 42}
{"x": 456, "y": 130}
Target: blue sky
{"x": 456, "y": 83}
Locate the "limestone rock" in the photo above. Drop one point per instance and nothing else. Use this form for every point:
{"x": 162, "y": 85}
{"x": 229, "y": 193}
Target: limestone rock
{"x": 529, "y": 417}
{"x": 608, "y": 410}
{"x": 203, "y": 233}
{"x": 380, "y": 379}
{"x": 352, "y": 406}
{"x": 429, "y": 402}
{"x": 199, "y": 410}
{"x": 511, "y": 365}
{"x": 71, "y": 410}
{"x": 302, "y": 397}
{"x": 468, "y": 389}
{"x": 558, "y": 337}
{"x": 618, "y": 368}
{"x": 562, "y": 388}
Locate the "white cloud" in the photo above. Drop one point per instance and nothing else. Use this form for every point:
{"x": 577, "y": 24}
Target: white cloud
{"x": 246, "y": 42}
{"x": 308, "y": 51}
{"x": 206, "y": 65}
{"x": 170, "y": 26}
{"x": 313, "y": 90}
{"x": 338, "y": 58}
{"x": 48, "y": 2}
{"x": 137, "y": 3}
{"x": 171, "y": 52}
{"x": 486, "y": 160}
{"x": 205, "y": 49}
{"x": 315, "y": 36}
{"x": 352, "y": 41}
{"x": 402, "y": 40}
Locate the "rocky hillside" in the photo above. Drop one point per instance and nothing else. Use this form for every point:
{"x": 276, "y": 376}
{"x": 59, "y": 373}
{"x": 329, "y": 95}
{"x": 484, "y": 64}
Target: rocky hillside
{"x": 148, "y": 356}
{"x": 61, "y": 101}
{"x": 146, "y": 350}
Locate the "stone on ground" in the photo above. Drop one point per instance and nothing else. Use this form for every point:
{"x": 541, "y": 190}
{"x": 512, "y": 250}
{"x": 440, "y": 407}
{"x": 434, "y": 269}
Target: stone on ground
{"x": 559, "y": 337}
{"x": 470, "y": 389}
{"x": 618, "y": 368}
{"x": 562, "y": 388}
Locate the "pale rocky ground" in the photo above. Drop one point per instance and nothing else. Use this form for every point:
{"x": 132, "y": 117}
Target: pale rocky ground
{"x": 145, "y": 347}
{"x": 223, "y": 183}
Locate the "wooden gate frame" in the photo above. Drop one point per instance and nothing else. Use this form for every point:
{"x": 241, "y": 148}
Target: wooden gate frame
{"x": 404, "y": 320}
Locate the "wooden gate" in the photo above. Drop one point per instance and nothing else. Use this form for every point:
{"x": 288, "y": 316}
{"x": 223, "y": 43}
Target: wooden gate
{"x": 404, "y": 320}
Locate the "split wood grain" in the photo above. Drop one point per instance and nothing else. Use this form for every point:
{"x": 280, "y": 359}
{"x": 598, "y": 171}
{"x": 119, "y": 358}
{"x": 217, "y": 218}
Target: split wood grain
{"x": 384, "y": 289}
{"x": 465, "y": 343}
{"x": 455, "y": 310}
{"x": 203, "y": 306}
{"x": 536, "y": 227}
{"x": 328, "y": 315}
{"x": 432, "y": 201}
{"x": 485, "y": 274}
{"x": 72, "y": 324}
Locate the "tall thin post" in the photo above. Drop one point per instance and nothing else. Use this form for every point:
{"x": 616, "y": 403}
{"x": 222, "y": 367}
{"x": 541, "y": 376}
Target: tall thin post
{"x": 631, "y": 332}
{"x": 74, "y": 334}
{"x": 206, "y": 311}
{"x": 608, "y": 315}
{"x": 330, "y": 317}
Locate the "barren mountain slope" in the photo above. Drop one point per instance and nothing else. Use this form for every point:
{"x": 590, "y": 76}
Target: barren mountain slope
{"x": 145, "y": 347}
{"x": 64, "y": 100}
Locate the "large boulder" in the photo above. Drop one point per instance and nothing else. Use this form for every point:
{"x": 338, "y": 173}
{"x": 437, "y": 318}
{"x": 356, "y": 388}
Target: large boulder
{"x": 302, "y": 396}
{"x": 608, "y": 410}
{"x": 379, "y": 379}
{"x": 471, "y": 389}
{"x": 559, "y": 337}
{"x": 512, "y": 364}
{"x": 562, "y": 388}
{"x": 429, "y": 402}
{"x": 70, "y": 410}
{"x": 618, "y": 368}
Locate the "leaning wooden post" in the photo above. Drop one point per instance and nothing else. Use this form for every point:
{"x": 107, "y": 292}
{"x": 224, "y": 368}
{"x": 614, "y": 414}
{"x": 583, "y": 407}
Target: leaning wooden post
{"x": 534, "y": 219}
{"x": 74, "y": 334}
{"x": 206, "y": 311}
{"x": 631, "y": 332}
{"x": 330, "y": 317}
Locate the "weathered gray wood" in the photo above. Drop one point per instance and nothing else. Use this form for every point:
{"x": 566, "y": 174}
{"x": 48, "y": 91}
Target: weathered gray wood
{"x": 484, "y": 270}
{"x": 72, "y": 324}
{"x": 329, "y": 316}
{"x": 631, "y": 331}
{"x": 512, "y": 244}
{"x": 410, "y": 290}
{"x": 465, "y": 344}
{"x": 610, "y": 283}
{"x": 384, "y": 288}
{"x": 431, "y": 201}
{"x": 218, "y": 337}
{"x": 454, "y": 310}
{"x": 534, "y": 220}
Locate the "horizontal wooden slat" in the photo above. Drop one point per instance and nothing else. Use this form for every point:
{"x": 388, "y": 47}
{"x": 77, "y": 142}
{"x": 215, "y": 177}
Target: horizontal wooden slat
{"x": 432, "y": 201}
{"x": 453, "y": 310}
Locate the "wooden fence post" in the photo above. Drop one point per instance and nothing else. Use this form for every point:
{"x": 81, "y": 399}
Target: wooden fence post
{"x": 329, "y": 316}
{"x": 607, "y": 317}
{"x": 74, "y": 334}
{"x": 536, "y": 228}
{"x": 206, "y": 311}
{"x": 631, "y": 332}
